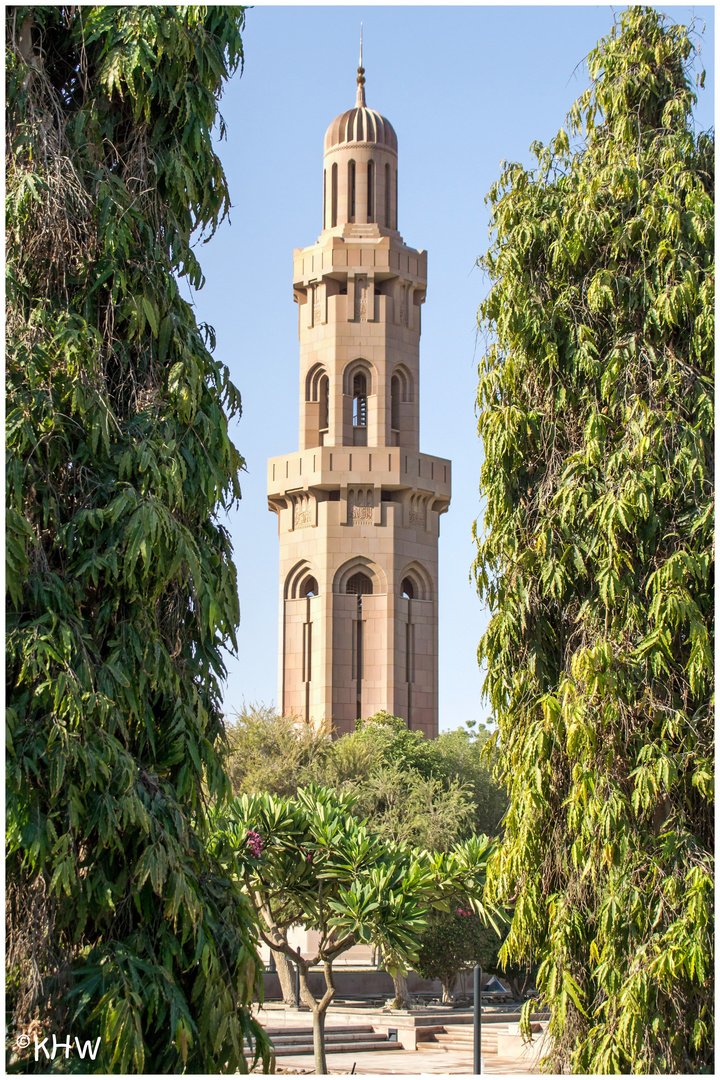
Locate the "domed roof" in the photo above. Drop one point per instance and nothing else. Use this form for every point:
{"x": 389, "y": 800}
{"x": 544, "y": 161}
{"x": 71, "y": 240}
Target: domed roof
{"x": 361, "y": 125}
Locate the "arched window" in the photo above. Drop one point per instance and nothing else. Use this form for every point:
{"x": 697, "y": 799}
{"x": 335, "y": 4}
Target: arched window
{"x": 301, "y": 582}
{"x": 371, "y": 191}
{"x": 396, "y": 202}
{"x": 324, "y": 397}
{"x": 314, "y": 381}
{"x": 359, "y": 585}
{"x": 387, "y": 197}
{"x": 359, "y": 400}
{"x": 395, "y": 403}
{"x": 407, "y": 589}
{"x": 324, "y": 198}
{"x": 334, "y": 196}
{"x": 351, "y": 190}
{"x": 309, "y": 587}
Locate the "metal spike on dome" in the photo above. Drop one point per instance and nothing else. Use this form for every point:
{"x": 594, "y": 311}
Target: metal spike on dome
{"x": 360, "y": 100}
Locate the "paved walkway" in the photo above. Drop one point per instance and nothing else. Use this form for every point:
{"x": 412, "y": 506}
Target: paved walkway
{"x": 413, "y": 1063}
{"x": 511, "y": 1061}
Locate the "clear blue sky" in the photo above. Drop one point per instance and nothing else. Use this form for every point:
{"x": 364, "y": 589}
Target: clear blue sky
{"x": 464, "y": 87}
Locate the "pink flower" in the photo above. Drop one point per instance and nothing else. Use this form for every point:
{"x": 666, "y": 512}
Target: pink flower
{"x": 254, "y": 843}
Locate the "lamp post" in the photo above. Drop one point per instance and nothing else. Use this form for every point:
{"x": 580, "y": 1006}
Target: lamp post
{"x": 477, "y": 1020}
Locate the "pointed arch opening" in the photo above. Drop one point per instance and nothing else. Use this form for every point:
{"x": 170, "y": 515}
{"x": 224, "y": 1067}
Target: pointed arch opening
{"x": 359, "y": 585}
{"x": 309, "y": 587}
{"x": 324, "y": 403}
{"x": 360, "y": 397}
{"x": 360, "y": 564}
{"x": 416, "y": 583}
{"x": 317, "y": 405}
{"x": 301, "y": 582}
{"x": 395, "y": 403}
{"x": 359, "y": 385}
{"x": 401, "y": 411}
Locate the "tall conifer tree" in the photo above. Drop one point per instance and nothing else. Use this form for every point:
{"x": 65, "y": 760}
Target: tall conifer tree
{"x": 121, "y": 585}
{"x": 596, "y": 413}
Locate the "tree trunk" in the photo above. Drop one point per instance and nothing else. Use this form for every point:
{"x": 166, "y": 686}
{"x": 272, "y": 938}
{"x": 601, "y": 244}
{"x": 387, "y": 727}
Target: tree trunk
{"x": 319, "y": 1041}
{"x": 285, "y": 975}
{"x": 447, "y": 994}
{"x": 402, "y": 997}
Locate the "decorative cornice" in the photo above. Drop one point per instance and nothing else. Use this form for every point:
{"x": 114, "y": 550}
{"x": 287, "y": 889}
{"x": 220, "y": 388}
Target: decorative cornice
{"x": 360, "y": 146}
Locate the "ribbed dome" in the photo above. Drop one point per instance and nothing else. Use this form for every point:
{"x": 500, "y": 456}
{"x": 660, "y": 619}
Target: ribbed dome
{"x": 361, "y": 125}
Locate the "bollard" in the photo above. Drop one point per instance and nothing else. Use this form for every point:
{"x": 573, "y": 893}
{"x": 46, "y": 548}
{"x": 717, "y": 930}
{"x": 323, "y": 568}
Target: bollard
{"x": 477, "y": 1020}
{"x": 297, "y": 982}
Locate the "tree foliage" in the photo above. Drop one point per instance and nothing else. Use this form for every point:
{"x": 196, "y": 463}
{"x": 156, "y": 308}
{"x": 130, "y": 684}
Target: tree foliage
{"x": 430, "y": 793}
{"x": 271, "y": 753}
{"x": 308, "y": 859}
{"x": 120, "y": 579}
{"x": 455, "y": 941}
{"x": 596, "y": 413}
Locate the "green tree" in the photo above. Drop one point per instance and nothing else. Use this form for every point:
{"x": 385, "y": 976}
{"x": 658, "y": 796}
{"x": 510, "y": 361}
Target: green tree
{"x": 461, "y": 756}
{"x": 121, "y": 585}
{"x": 267, "y": 752}
{"x": 309, "y": 860}
{"x": 423, "y": 811}
{"x": 431, "y": 793}
{"x": 455, "y": 941}
{"x": 596, "y": 413}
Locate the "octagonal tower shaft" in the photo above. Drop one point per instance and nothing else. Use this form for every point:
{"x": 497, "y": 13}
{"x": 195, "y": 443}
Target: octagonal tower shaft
{"x": 358, "y": 505}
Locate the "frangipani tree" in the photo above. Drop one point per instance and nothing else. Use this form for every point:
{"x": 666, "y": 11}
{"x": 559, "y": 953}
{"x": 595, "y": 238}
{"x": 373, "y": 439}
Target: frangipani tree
{"x": 309, "y": 860}
{"x": 455, "y": 875}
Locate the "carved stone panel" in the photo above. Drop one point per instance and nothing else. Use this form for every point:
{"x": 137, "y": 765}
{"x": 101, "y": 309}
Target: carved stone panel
{"x": 360, "y": 505}
{"x": 302, "y": 512}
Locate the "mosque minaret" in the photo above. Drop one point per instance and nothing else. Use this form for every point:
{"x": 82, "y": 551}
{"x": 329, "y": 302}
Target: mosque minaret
{"x": 358, "y": 505}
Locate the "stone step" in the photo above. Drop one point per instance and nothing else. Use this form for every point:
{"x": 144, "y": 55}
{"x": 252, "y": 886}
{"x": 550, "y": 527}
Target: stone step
{"x": 447, "y": 1040}
{"x": 458, "y": 1048}
{"x": 467, "y": 1036}
{"x": 336, "y": 1047}
{"x": 330, "y": 1037}
{"x": 329, "y": 1030}
{"x": 461, "y": 1039}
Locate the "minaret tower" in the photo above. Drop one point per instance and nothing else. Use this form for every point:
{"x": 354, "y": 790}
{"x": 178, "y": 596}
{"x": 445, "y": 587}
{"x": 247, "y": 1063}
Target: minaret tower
{"x": 358, "y": 505}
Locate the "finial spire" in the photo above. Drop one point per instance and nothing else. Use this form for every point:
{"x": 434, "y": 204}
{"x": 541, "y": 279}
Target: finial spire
{"x": 360, "y": 100}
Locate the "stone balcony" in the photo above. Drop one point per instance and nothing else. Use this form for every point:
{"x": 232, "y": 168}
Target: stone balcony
{"x": 330, "y": 468}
